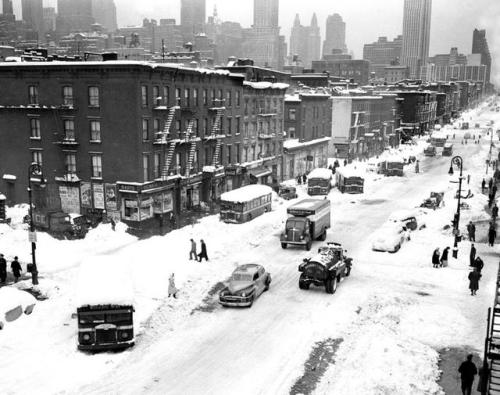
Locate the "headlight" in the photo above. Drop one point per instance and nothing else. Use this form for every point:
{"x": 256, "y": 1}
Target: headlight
{"x": 124, "y": 335}
{"x": 301, "y": 237}
{"x": 243, "y": 294}
{"x": 86, "y": 337}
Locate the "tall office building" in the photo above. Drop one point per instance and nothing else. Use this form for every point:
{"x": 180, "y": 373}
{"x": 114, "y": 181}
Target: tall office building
{"x": 193, "y": 18}
{"x": 104, "y": 13}
{"x": 264, "y": 44}
{"x": 416, "y": 34}
{"x": 335, "y": 35}
{"x": 383, "y": 53}
{"x": 480, "y": 46}
{"x": 7, "y": 8}
{"x": 33, "y": 16}
{"x": 305, "y": 41}
{"x": 49, "y": 19}
{"x": 74, "y": 16}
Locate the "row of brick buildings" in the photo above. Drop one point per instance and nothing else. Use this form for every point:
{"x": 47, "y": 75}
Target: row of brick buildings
{"x": 146, "y": 143}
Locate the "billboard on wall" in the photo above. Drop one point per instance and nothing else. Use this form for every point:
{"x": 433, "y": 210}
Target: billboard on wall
{"x": 70, "y": 199}
{"x": 98, "y": 190}
{"x": 111, "y": 200}
{"x": 86, "y": 194}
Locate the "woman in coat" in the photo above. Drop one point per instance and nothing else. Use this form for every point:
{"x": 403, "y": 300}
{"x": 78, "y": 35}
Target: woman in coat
{"x": 474, "y": 281}
{"x": 203, "y": 253}
{"x": 444, "y": 257}
{"x": 435, "y": 258}
{"x": 172, "y": 289}
{"x": 16, "y": 269}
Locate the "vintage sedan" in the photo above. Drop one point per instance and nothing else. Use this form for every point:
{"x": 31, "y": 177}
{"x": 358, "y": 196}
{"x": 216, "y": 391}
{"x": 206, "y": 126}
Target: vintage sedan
{"x": 390, "y": 237}
{"x": 14, "y": 303}
{"x": 246, "y": 284}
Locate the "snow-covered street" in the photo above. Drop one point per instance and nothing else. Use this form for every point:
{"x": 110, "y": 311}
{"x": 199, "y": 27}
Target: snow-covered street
{"x": 391, "y": 316}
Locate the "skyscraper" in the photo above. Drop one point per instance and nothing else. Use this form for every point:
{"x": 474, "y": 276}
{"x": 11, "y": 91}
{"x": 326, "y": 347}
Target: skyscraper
{"x": 74, "y": 16}
{"x": 7, "y": 8}
{"x": 305, "y": 41}
{"x": 335, "y": 35}
{"x": 480, "y": 46}
{"x": 265, "y": 13}
{"x": 382, "y": 54}
{"x": 416, "y": 34}
{"x": 193, "y": 18}
{"x": 104, "y": 13}
{"x": 33, "y": 16}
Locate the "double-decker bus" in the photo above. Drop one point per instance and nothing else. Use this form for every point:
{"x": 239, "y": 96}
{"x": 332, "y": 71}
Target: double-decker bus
{"x": 245, "y": 203}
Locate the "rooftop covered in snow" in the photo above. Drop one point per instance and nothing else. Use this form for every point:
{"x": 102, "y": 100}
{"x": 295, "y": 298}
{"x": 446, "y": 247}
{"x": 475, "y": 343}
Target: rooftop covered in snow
{"x": 246, "y": 193}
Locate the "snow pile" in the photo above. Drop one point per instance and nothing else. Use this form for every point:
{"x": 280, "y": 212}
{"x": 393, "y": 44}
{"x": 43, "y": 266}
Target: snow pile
{"x": 246, "y": 193}
{"x": 350, "y": 171}
{"x": 265, "y": 85}
{"x": 320, "y": 173}
{"x": 10, "y": 298}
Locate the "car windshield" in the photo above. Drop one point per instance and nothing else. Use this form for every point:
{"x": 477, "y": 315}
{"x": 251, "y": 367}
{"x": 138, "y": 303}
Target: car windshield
{"x": 241, "y": 277}
{"x": 293, "y": 223}
{"x": 319, "y": 182}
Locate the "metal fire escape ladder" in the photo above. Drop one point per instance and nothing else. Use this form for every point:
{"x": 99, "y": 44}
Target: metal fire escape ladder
{"x": 170, "y": 144}
{"x": 493, "y": 344}
{"x": 192, "y": 148}
{"x": 218, "y": 136}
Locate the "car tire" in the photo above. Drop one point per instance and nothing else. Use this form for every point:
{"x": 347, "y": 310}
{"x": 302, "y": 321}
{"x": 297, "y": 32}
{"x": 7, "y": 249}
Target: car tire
{"x": 348, "y": 271}
{"x": 268, "y": 283}
{"x": 335, "y": 283}
{"x": 303, "y": 285}
{"x": 323, "y": 235}
{"x": 308, "y": 245}
{"x": 396, "y": 249}
{"x": 284, "y": 245}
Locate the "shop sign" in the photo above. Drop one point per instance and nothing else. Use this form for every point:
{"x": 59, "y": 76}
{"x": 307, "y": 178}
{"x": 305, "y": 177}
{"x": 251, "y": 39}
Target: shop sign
{"x": 86, "y": 194}
{"x": 70, "y": 199}
{"x": 130, "y": 203}
{"x": 98, "y": 196}
{"x": 309, "y": 158}
{"x": 111, "y": 202}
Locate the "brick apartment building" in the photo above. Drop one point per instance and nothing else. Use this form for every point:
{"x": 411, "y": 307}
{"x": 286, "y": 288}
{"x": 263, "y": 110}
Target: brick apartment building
{"x": 135, "y": 141}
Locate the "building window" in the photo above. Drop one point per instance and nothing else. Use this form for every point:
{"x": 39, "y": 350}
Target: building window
{"x": 207, "y": 156}
{"x": 246, "y": 107}
{"x": 229, "y": 98}
{"x": 205, "y": 127}
{"x": 145, "y": 167}
{"x": 144, "y": 95}
{"x": 205, "y": 97}
{"x": 96, "y": 165}
{"x": 166, "y": 95}
{"x": 196, "y": 127}
{"x": 36, "y": 157}
{"x": 195, "y": 97}
{"x": 229, "y": 158}
{"x": 95, "y": 130}
{"x": 33, "y": 94}
{"x": 238, "y": 98}
{"x": 70, "y": 163}
{"x": 156, "y": 95}
{"x": 156, "y": 126}
{"x": 35, "y": 128}
{"x": 291, "y": 132}
{"x": 178, "y": 127}
{"x": 177, "y": 96}
{"x": 68, "y": 95}
{"x": 245, "y": 130}
{"x": 69, "y": 129}
{"x": 291, "y": 114}
{"x": 93, "y": 96}
{"x": 145, "y": 129}
{"x": 229, "y": 125}
{"x": 237, "y": 149}
{"x": 178, "y": 162}
{"x": 221, "y": 96}
{"x": 187, "y": 97}
{"x": 156, "y": 165}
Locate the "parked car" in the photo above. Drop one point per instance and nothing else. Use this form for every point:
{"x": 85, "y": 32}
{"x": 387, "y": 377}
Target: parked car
{"x": 246, "y": 284}
{"x": 390, "y": 237}
{"x": 434, "y": 201}
{"x": 411, "y": 219}
{"x": 287, "y": 192}
{"x": 14, "y": 303}
{"x": 326, "y": 269}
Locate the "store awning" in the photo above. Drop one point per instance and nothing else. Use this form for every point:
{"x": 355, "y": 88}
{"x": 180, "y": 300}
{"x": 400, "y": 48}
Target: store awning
{"x": 259, "y": 172}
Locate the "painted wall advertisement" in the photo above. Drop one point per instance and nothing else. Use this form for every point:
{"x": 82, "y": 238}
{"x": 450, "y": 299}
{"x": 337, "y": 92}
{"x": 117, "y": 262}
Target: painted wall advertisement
{"x": 86, "y": 194}
{"x": 111, "y": 202}
{"x": 70, "y": 199}
{"x": 98, "y": 190}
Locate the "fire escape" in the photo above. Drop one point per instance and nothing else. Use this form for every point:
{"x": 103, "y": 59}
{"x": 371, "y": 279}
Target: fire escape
{"x": 216, "y": 134}
{"x": 162, "y": 138}
{"x": 192, "y": 147}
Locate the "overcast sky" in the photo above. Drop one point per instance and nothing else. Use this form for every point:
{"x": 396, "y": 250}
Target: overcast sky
{"x": 452, "y": 20}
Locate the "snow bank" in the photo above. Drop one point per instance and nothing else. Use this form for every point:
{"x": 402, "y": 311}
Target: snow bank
{"x": 320, "y": 173}
{"x": 11, "y": 297}
{"x": 102, "y": 282}
{"x": 246, "y": 193}
{"x": 350, "y": 172}
{"x": 265, "y": 85}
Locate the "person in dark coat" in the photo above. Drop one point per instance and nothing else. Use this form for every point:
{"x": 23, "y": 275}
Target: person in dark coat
{"x": 492, "y": 234}
{"x": 299, "y": 179}
{"x": 474, "y": 277}
{"x": 435, "y": 258}
{"x": 467, "y": 372}
{"x": 471, "y": 230}
{"x": 3, "y": 269}
{"x": 494, "y": 212}
{"x": 494, "y": 190}
{"x": 490, "y": 184}
{"x": 472, "y": 255}
{"x": 192, "y": 253}
{"x": 483, "y": 185}
{"x": 345, "y": 162}
{"x": 16, "y": 269}
{"x": 304, "y": 178}
{"x": 203, "y": 253}
{"x": 444, "y": 257}
{"x": 491, "y": 198}
{"x": 478, "y": 264}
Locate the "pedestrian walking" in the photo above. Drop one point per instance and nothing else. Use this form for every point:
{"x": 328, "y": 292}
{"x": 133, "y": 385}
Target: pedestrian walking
{"x": 467, "y": 372}
{"x": 444, "y": 257}
{"x": 494, "y": 212}
{"x": 304, "y": 178}
{"x": 299, "y": 179}
{"x": 417, "y": 167}
{"x": 492, "y": 235}
{"x": 16, "y": 269}
{"x": 494, "y": 190}
{"x": 474, "y": 281}
{"x": 192, "y": 253}
{"x": 471, "y": 230}
{"x": 491, "y": 198}
{"x": 490, "y": 184}
{"x": 478, "y": 265}
{"x": 3, "y": 269}
{"x": 203, "y": 252}
{"x": 483, "y": 186}
{"x": 345, "y": 162}
{"x": 472, "y": 255}
{"x": 468, "y": 178}
{"x": 435, "y": 258}
{"x": 172, "y": 289}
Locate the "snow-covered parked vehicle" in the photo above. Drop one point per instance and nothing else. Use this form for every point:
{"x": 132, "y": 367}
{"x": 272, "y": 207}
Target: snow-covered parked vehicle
{"x": 14, "y": 303}
{"x": 325, "y": 269}
{"x": 246, "y": 284}
{"x": 411, "y": 219}
{"x": 390, "y": 237}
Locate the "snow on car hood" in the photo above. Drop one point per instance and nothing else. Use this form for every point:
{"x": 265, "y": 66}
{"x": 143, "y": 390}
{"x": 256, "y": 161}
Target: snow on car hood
{"x": 237, "y": 286}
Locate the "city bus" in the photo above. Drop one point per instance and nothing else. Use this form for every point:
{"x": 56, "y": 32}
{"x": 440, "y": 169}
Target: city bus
{"x": 448, "y": 149}
{"x": 245, "y": 203}
{"x": 319, "y": 182}
{"x": 350, "y": 180}
{"x": 104, "y": 306}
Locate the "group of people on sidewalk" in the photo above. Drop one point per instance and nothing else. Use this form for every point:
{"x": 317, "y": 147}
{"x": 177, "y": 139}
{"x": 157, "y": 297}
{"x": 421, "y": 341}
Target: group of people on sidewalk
{"x": 193, "y": 251}
{"x": 492, "y": 232}
{"x": 440, "y": 260}
{"x": 15, "y": 266}
{"x": 477, "y": 264}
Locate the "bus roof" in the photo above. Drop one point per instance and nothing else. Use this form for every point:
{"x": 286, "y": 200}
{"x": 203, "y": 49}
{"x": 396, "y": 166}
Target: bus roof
{"x": 320, "y": 173}
{"x": 246, "y": 193}
{"x": 102, "y": 282}
{"x": 348, "y": 172}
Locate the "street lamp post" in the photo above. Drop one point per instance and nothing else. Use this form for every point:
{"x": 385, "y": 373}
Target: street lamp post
{"x": 35, "y": 169}
{"x": 457, "y": 160}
